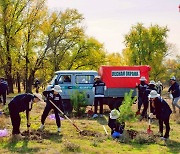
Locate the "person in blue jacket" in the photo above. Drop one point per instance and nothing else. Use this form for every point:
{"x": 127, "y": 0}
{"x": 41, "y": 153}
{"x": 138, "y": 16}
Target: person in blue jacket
{"x": 175, "y": 91}
{"x": 54, "y": 96}
{"x": 3, "y": 90}
{"x": 162, "y": 112}
{"x": 21, "y": 103}
{"x": 99, "y": 89}
{"x": 141, "y": 91}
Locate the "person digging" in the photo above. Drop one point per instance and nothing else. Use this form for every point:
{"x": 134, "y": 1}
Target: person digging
{"x": 162, "y": 112}
{"x": 55, "y": 97}
{"x": 21, "y": 103}
{"x": 117, "y": 128}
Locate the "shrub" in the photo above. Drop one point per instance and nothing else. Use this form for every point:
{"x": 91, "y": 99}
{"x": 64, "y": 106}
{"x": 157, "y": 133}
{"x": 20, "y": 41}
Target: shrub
{"x": 79, "y": 102}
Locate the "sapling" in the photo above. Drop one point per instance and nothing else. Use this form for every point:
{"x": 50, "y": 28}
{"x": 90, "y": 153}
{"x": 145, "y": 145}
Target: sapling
{"x": 126, "y": 112}
{"x": 79, "y": 102}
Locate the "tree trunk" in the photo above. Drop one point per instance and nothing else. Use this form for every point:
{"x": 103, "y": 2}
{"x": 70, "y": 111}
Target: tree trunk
{"x": 18, "y": 83}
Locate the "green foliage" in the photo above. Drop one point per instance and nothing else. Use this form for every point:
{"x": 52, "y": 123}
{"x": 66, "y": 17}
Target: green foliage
{"x": 126, "y": 112}
{"x": 147, "y": 46}
{"x": 79, "y": 102}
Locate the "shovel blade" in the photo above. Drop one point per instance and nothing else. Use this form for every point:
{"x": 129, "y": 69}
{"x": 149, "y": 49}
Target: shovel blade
{"x": 149, "y": 131}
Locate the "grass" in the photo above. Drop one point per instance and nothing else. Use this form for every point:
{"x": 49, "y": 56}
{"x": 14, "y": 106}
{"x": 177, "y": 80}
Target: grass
{"x": 70, "y": 141}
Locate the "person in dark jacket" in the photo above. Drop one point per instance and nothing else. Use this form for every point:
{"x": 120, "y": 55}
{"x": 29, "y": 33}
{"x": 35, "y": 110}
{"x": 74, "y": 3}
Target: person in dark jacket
{"x": 21, "y": 103}
{"x": 141, "y": 90}
{"x": 162, "y": 111}
{"x": 36, "y": 85}
{"x": 117, "y": 128}
{"x": 175, "y": 91}
{"x": 151, "y": 86}
{"x": 99, "y": 88}
{"x": 55, "y": 97}
{"x": 3, "y": 90}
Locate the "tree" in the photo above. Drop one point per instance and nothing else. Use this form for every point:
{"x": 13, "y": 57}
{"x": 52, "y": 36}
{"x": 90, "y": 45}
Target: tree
{"x": 148, "y": 46}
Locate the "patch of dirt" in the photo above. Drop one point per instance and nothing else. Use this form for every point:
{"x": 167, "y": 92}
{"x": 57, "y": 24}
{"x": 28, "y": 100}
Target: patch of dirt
{"x": 142, "y": 136}
{"x": 90, "y": 133}
{"x": 38, "y": 135}
{"x": 132, "y": 133}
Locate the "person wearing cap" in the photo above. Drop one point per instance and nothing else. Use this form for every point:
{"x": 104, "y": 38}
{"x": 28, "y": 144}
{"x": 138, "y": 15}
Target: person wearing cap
{"x": 99, "y": 88}
{"x": 55, "y": 97}
{"x": 21, "y": 103}
{"x": 175, "y": 91}
{"x": 116, "y": 127}
{"x": 162, "y": 111}
{"x": 141, "y": 89}
{"x": 151, "y": 86}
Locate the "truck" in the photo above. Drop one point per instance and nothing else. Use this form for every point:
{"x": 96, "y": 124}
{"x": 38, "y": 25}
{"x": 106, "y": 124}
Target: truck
{"x": 118, "y": 79}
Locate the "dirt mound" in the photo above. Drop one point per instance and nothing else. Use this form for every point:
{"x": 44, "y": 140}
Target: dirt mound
{"x": 38, "y": 135}
{"x": 90, "y": 133}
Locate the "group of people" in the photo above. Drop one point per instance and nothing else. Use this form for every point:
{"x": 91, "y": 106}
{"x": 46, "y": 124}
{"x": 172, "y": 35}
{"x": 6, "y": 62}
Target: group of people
{"x": 24, "y": 102}
{"x": 150, "y": 96}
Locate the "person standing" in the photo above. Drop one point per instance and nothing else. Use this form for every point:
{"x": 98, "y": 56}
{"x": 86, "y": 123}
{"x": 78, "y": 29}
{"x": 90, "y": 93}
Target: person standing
{"x": 162, "y": 112}
{"x": 159, "y": 87}
{"x": 151, "y": 86}
{"x": 3, "y": 90}
{"x": 36, "y": 85}
{"x": 55, "y": 97}
{"x": 141, "y": 90}
{"x": 174, "y": 89}
{"x": 99, "y": 88}
{"x": 21, "y": 103}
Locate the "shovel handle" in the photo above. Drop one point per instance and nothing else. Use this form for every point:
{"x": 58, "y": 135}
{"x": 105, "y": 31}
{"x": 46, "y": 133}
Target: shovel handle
{"x": 65, "y": 116}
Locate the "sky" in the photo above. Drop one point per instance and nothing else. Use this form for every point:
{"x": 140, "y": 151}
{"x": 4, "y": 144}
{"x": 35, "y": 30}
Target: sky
{"x": 109, "y": 21}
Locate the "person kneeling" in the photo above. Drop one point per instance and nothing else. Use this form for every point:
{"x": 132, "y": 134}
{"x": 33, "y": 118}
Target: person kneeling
{"x": 117, "y": 128}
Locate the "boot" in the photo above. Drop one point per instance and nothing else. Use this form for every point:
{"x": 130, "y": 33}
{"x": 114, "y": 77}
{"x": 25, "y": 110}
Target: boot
{"x": 41, "y": 127}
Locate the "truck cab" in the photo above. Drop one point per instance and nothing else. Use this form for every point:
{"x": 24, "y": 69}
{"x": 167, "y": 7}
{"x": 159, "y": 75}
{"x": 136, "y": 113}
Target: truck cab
{"x": 71, "y": 80}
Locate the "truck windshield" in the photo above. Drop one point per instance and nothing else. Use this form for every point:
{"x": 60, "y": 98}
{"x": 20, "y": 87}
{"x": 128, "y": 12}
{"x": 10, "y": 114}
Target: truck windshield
{"x": 53, "y": 80}
{"x": 84, "y": 79}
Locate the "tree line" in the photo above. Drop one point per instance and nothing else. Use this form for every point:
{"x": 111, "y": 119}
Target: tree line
{"x": 36, "y": 42}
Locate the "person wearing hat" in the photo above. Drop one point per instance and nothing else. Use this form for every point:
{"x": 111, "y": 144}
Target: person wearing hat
{"x": 159, "y": 87}
{"x": 55, "y": 97}
{"x": 141, "y": 89}
{"x": 151, "y": 86}
{"x": 162, "y": 112}
{"x": 99, "y": 88}
{"x": 175, "y": 91}
{"x": 21, "y": 103}
{"x": 116, "y": 127}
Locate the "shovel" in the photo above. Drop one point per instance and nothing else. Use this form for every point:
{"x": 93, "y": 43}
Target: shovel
{"x": 105, "y": 130}
{"x": 28, "y": 123}
{"x": 149, "y": 131}
{"x": 78, "y": 129}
